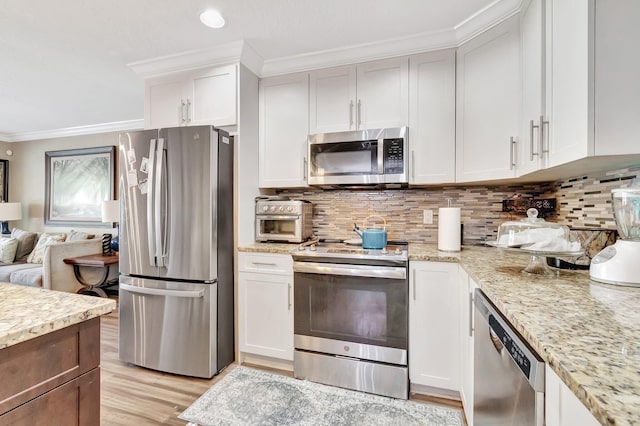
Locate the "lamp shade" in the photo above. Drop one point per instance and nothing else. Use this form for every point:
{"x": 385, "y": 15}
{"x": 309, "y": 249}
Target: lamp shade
{"x": 111, "y": 211}
{"x": 10, "y": 211}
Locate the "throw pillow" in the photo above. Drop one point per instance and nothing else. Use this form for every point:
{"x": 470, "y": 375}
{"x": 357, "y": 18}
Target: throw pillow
{"x": 26, "y": 241}
{"x": 78, "y": 235}
{"x": 45, "y": 240}
{"x": 8, "y": 247}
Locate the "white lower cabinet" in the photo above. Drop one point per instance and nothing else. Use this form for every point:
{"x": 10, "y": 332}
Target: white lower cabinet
{"x": 265, "y": 305}
{"x": 434, "y": 344}
{"x": 562, "y": 407}
{"x": 467, "y": 288}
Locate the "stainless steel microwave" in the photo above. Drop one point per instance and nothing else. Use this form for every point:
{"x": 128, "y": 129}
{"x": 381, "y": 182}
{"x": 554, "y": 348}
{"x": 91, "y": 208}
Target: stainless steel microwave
{"x": 361, "y": 157}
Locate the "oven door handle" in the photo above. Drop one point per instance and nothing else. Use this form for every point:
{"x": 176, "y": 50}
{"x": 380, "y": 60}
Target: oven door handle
{"x": 395, "y": 273}
{"x": 277, "y": 217}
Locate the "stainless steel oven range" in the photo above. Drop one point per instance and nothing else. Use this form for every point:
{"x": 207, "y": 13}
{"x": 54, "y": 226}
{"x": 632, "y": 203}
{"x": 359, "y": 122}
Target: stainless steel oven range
{"x": 351, "y": 318}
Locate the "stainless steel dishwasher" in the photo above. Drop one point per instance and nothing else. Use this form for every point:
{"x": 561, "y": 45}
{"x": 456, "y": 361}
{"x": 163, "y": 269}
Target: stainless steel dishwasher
{"x": 508, "y": 375}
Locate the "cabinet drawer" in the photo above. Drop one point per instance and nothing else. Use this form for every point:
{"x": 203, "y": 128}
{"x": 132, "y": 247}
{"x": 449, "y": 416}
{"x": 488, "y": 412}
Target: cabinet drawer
{"x": 75, "y": 403}
{"x": 281, "y": 264}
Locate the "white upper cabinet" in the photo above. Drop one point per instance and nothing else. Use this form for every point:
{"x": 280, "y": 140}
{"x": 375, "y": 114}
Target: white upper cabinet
{"x": 569, "y": 102}
{"x": 213, "y": 96}
{"x": 591, "y": 89}
{"x": 284, "y": 128}
{"x": 530, "y": 150}
{"x": 432, "y": 112}
{"x": 207, "y": 96}
{"x": 333, "y": 100}
{"x": 617, "y": 82}
{"x": 365, "y": 96}
{"x": 488, "y": 104}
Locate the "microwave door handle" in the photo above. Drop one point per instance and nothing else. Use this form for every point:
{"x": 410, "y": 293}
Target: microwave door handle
{"x": 151, "y": 243}
{"x": 380, "y": 156}
{"x": 157, "y": 210}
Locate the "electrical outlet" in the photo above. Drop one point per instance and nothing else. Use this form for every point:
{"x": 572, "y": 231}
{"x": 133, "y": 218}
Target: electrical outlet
{"x": 427, "y": 217}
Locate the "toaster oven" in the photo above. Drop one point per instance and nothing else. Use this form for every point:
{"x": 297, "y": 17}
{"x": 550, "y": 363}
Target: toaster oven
{"x": 286, "y": 221}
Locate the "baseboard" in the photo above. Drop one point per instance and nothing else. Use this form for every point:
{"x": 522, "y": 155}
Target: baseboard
{"x": 435, "y": 392}
{"x": 265, "y": 361}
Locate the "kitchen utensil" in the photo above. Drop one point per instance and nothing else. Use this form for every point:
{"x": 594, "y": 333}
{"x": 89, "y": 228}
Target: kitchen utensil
{"x": 618, "y": 264}
{"x": 373, "y": 238}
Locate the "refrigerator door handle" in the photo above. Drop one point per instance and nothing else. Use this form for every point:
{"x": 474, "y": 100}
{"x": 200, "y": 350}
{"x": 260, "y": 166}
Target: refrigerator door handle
{"x": 193, "y": 294}
{"x": 151, "y": 242}
{"x": 157, "y": 210}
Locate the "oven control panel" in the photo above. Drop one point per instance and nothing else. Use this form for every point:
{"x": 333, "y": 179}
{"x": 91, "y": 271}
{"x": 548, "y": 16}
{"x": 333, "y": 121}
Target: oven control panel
{"x": 393, "y": 155}
{"x": 268, "y": 207}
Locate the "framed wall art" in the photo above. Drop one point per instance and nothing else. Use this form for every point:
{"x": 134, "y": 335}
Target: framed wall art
{"x": 77, "y": 182}
{"x": 4, "y": 181}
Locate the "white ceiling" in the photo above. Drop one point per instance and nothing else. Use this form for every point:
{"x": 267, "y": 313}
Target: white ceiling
{"x": 64, "y": 62}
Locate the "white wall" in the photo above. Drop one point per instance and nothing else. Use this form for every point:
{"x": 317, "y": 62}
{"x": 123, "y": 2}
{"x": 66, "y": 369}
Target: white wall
{"x": 27, "y": 177}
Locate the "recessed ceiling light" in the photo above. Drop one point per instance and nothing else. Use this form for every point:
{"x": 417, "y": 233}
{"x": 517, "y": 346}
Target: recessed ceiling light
{"x": 212, "y": 18}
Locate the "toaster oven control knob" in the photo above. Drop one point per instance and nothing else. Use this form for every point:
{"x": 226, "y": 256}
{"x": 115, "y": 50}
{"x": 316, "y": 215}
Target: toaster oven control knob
{"x": 281, "y": 208}
{"x": 265, "y": 208}
{"x": 289, "y": 208}
{"x": 398, "y": 251}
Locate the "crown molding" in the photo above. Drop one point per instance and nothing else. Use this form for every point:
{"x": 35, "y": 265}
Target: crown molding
{"x": 486, "y": 18}
{"x": 491, "y": 15}
{"x": 360, "y": 53}
{"x": 237, "y": 51}
{"x": 119, "y": 126}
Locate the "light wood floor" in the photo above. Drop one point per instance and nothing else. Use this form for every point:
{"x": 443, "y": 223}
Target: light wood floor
{"x": 132, "y": 395}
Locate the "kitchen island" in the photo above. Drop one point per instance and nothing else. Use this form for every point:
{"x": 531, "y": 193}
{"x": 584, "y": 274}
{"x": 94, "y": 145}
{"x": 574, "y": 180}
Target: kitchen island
{"x": 587, "y": 332}
{"x": 49, "y": 356}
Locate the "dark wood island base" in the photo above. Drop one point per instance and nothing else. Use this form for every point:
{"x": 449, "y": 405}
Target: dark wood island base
{"x": 53, "y": 379}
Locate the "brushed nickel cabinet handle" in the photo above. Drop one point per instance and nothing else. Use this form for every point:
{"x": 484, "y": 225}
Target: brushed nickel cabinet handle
{"x": 359, "y": 114}
{"x": 289, "y": 295}
{"x": 350, "y": 113}
{"x": 531, "y": 127}
{"x": 414, "y": 285}
{"x": 181, "y": 111}
{"x": 542, "y": 124}
{"x": 470, "y": 314}
{"x": 512, "y": 150}
{"x": 304, "y": 168}
{"x": 413, "y": 164}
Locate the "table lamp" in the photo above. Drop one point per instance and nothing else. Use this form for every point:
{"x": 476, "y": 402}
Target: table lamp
{"x": 9, "y": 211}
{"x": 111, "y": 214}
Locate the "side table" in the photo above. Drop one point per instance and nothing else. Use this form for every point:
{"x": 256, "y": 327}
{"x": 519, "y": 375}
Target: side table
{"x": 93, "y": 261}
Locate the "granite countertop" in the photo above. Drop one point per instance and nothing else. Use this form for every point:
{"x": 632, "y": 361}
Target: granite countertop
{"x": 588, "y": 332}
{"x": 276, "y": 248}
{"x": 27, "y": 312}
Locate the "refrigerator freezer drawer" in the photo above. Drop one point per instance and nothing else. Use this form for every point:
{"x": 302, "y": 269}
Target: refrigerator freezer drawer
{"x": 168, "y": 326}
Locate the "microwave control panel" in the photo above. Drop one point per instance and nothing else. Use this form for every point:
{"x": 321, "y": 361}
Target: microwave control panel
{"x": 393, "y": 155}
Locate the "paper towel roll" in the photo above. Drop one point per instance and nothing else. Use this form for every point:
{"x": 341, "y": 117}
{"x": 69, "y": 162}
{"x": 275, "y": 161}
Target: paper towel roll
{"x": 449, "y": 228}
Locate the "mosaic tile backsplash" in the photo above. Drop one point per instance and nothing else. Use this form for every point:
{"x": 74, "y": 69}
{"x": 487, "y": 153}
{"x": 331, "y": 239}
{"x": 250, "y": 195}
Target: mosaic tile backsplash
{"x": 583, "y": 202}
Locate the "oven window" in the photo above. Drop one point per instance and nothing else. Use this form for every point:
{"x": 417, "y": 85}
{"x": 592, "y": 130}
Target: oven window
{"x": 278, "y": 227}
{"x": 355, "y": 309}
{"x": 344, "y": 158}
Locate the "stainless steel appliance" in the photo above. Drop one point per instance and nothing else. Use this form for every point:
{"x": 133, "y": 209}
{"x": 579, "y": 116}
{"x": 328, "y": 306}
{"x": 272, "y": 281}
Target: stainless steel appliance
{"x": 361, "y": 157}
{"x": 283, "y": 220}
{"x": 351, "y": 318}
{"x": 176, "y": 250}
{"x": 508, "y": 375}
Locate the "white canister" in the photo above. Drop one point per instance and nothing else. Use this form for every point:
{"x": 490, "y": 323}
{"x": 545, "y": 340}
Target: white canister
{"x": 449, "y": 229}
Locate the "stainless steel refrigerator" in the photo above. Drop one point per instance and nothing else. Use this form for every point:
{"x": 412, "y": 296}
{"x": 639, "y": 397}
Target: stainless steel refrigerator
{"x": 176, "y": 250}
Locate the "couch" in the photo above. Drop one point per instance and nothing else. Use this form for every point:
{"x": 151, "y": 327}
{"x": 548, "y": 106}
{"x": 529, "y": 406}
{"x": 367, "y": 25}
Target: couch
{"x": 52, "y": 273}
